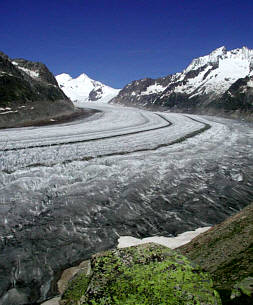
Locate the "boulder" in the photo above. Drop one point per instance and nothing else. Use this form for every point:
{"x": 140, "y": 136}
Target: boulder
{"x": 143, "y": 274}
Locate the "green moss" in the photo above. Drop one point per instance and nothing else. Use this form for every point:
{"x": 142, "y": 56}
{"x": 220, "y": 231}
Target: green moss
{"x": 144, "y": 275}
{"x": 157, "y": 283}
{"x": 76, "y": 288}
{"x": 245, "y": 287}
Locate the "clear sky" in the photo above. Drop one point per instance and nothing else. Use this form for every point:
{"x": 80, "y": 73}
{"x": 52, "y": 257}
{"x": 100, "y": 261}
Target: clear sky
{"x": 117, "y": 41}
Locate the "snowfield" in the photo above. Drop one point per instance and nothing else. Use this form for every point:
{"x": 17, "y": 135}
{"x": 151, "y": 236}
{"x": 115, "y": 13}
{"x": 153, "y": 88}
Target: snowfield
{"x": 84, "y": 89}
{"x": 170, "y": 242}
{"x": 70, "y": 190}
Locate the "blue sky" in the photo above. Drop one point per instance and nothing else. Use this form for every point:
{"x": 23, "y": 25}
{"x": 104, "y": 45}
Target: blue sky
{"x": 117, "y": 41}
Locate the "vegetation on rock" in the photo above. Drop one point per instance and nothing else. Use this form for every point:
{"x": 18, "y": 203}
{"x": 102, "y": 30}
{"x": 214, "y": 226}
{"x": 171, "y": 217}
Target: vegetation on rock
{"x": 145, "y": 274}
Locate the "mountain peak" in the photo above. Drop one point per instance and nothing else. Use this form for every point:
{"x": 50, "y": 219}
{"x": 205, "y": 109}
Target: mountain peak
{"x": 82, "y": 76}
{"x": 245, "y": 48}
{"x": 219, "y": 54}
{"x": 219, "y": 51}
{"x": 204, "y": 81}
{"x": 85, "y": 89}
{"x": 64, "y": 77}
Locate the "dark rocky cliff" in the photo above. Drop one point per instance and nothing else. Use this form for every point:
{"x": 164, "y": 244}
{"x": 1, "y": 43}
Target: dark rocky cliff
{"x": 29, "y": 93}
{"x": 238, "y": 99}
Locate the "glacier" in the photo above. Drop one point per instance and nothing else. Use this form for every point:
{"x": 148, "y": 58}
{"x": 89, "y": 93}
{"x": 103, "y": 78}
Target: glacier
{"x": 72, "y": 189}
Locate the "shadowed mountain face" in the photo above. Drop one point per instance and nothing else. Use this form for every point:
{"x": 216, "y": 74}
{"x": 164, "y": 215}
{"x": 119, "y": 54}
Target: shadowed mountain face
{"x": 239, "y": 97}
{"x": 29, "y": 93}
{"x": 219, "y": 83}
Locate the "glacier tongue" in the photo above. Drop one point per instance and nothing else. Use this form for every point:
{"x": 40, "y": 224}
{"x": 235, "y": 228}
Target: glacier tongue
{"x": 84, "y": 89}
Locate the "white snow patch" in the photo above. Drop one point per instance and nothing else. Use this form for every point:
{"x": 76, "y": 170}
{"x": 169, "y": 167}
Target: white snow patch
{"x": 170, "y": 242}
{"x": 250, "y": 83}
{"x": 33, "y": 74}
{"x": 156, "y": 88}
{"x": 8, "y": 112}
{"x": 2, "y": 73}
{"x": 4, "y": 109}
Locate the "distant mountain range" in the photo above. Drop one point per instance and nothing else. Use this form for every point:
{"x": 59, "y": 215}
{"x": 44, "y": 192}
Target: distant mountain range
{"x": 29, "y": 93}
{"x": 85, "y": 89}
{"x": 218, "y": 83}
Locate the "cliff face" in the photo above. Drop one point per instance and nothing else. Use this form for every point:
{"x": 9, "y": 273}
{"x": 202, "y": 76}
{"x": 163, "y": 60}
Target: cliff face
{"x": 29, "y": 93}
{"x": 238, "y": 98}
{"x": 207, "y": 85}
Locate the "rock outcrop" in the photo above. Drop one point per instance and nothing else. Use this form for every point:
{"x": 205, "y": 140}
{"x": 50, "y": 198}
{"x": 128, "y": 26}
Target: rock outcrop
{"x": 144, "y": 274}
{"x": 225, "y": 251}
{"x": 29, "y": 93}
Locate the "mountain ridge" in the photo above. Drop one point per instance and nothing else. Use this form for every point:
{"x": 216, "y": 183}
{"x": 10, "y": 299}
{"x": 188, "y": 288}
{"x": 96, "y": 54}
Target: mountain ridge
{"x": 200, "y": 87}
{"x": 29, "y": 94}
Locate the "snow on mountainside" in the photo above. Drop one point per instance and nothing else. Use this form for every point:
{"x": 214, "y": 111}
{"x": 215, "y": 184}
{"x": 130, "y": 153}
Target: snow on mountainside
{"x": 205, "y": 80}
{"x": 85, "y": 89}
{"x": 34, "y": 74}
{"x": 29, "y": 94}
{"x": 219, "y": 70}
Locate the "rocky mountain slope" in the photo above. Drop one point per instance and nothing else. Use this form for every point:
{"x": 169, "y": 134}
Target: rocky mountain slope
{"x": 215, "y": 83}
{"x": 226, "y": 252}
{"x": 29, "y": 93}
{"x": 85, "y": 89}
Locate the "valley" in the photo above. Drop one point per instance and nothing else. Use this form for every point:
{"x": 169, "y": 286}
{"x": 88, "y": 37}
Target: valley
{"x": 70, "y": 190}
{"x": 126, "y": 153}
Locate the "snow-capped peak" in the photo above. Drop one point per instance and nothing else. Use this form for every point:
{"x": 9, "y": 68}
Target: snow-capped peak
{"x": 220, "y": 54}
{"x": 216, "y": 71}
{"x": 85, "y": 89}
{"x": 83, "y": 76}
{"x": 205, "y": 80}
{"x": 218, "y": 51}
{"x": 211, "y": 58}
{"x": 64, "y": 77}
